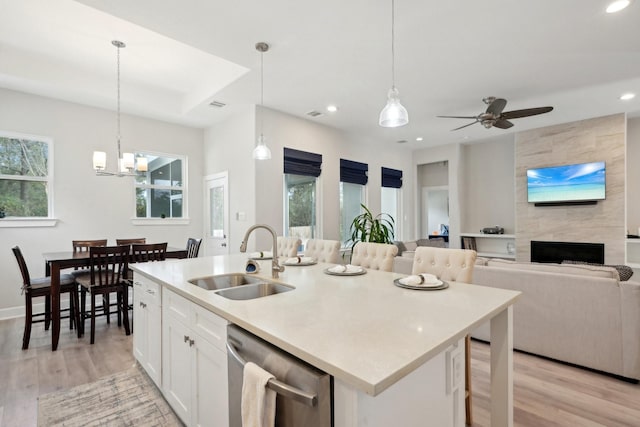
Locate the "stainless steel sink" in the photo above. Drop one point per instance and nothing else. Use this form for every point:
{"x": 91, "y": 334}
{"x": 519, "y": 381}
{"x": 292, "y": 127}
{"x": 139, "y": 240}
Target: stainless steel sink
{"x": 256, "y": 290}
{"x": 223, "y": 281}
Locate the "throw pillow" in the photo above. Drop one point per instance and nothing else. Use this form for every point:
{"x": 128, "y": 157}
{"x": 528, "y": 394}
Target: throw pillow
{"x": 401, "y": 247}
{"x": 624, "y": 271}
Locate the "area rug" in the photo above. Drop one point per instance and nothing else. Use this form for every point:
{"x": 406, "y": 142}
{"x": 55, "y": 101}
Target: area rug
{"x": 128, "y": 398}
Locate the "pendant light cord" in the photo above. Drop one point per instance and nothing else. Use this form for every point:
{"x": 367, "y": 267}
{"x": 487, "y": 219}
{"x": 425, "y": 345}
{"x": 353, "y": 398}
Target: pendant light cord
{"x": 261, "y": 92}
{"x": 393, "y": 53}
{"x": 118, "y": 73}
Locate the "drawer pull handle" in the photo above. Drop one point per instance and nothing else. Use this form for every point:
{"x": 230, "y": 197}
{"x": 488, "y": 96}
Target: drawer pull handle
{"x": 186, "y": 338}
{"x": 191, "y": 343}
{"x": 151, "y": 291}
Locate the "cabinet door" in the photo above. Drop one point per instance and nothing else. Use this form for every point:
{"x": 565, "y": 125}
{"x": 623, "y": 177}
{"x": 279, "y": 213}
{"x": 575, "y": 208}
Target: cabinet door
{"x": 140, "y": 350}
{"x": 176, "y": 367}
{"x": 153, "y": 325}
{"x": 210, "y": 394}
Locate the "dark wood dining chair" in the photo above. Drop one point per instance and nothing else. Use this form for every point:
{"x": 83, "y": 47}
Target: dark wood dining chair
{"x": 138, "y": 240}
{"x": 148, "y": 252}
{"x": 193, "y": 247}
{"x": 83, "y": 246}
{"x": 41, "y": 287}
{"x": 107, "y": 275}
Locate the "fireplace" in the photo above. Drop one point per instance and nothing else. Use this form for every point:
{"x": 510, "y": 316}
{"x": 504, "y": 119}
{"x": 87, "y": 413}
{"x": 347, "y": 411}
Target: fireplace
{"x": 570, "y": 251}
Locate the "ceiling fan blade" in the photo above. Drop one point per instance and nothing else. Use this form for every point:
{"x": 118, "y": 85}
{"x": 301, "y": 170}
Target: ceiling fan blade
{"x": 515, "y": 114}
{"x": 458, "y": 117}
{"x": 497, "y": 106}
{"x": 503, "y": 124}
{"x": 472, "y": 123}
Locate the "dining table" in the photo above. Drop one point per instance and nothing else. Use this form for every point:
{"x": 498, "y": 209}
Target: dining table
{"x": 56, "y": 261}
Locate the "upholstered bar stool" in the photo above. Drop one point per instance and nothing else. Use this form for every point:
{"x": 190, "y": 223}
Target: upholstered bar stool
{"x": 450, "y": 265}
{"x": 288, "y": 246}
{"x": 374, "y": 256}
{"x": 323, "y": 250}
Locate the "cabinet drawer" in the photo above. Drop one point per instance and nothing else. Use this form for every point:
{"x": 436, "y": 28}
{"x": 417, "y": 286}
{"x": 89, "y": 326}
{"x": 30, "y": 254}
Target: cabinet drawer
{"x": 210, "y": 326}
{"x": 176, "y": 306}
{"x": 152, "y": 292}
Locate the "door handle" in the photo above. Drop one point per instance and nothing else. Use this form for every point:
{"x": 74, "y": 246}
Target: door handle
{"x": 224, "y": 245}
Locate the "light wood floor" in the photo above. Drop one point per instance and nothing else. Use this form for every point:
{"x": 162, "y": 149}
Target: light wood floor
{"x": 546, "y": 393}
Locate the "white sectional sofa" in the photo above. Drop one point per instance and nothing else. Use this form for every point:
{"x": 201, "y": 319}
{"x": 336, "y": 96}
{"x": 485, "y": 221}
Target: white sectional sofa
{"x": 574, "y": 313}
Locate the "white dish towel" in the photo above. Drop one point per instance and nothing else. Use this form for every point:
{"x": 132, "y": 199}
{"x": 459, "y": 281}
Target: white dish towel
{"x": 258, "y": 402}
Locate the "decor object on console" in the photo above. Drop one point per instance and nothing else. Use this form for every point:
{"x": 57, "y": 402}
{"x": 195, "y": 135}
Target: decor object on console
{"x": 127, "y": 165}
{"x": 261, "y": 152}
{"x": 393, "y": 114}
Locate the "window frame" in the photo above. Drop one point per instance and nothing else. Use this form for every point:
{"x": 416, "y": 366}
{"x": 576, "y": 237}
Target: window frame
{"x": 135, "y": 220}
{"x": 50, "y": 220}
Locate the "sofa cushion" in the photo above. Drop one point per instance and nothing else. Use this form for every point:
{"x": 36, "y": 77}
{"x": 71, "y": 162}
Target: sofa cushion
{"x": 437, "y": 242}
{"x": 583, "y": 270}
{"x": 410, "y": 245}
{"x": 401, "y": 247}
{"x": 624, "y": 271}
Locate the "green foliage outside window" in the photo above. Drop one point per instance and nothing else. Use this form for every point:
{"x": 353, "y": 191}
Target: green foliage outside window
{"x": 24, "y": 177}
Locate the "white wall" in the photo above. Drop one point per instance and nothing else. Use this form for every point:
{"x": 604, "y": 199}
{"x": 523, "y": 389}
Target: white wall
{"x": 88, "y": 206}
{"x": 227, "y": 147}
{"x": 283, "y": 130}
{"x": 488, "y": 189}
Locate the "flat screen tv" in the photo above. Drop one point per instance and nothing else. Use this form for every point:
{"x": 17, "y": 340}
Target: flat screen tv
{"x": 568, "y": 183}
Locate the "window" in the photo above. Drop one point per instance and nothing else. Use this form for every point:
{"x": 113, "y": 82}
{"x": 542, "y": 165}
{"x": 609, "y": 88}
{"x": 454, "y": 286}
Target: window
{"x": 390, "y": 196}
{"x": 160, "y": 192}
{"x": 301, "y": 172}
{"x": 25, "y": 176}
{"x": 353, "y": 178}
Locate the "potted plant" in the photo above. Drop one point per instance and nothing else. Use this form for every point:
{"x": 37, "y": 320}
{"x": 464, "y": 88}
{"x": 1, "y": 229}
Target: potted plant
{"x": 368, "y": 228}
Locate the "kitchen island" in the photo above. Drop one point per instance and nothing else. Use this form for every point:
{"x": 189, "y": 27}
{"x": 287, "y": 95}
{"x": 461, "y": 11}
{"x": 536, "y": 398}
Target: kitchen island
{"x": 367, "y": 333}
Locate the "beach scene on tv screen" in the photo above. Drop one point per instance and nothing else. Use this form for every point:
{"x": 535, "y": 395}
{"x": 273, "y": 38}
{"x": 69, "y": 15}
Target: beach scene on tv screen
{"x": 584, "y": 181}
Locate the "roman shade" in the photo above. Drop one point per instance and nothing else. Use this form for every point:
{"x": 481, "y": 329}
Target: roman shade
{"x": 299, "y": 162}
{"x": 353, "y": 172}
{"x": 391, "y": 178}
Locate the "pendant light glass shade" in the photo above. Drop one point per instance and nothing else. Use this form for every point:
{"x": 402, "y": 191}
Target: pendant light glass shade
{"x": 393, "y": 114}
{"x": 261, "y": 152}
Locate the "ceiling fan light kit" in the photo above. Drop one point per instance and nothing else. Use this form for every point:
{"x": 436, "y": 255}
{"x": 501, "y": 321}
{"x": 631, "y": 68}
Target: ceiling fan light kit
{"x": 495, "y": 117}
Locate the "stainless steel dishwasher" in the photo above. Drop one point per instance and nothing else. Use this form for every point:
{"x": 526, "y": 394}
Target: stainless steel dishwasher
{"x": 303, "y": 391}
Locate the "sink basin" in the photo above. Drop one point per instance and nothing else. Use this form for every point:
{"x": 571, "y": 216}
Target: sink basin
{"x": 223, "y": 281}
{"x": 256, "y": 290}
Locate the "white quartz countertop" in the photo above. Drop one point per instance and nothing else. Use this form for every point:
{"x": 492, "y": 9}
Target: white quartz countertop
{"x": 363, "y": 329}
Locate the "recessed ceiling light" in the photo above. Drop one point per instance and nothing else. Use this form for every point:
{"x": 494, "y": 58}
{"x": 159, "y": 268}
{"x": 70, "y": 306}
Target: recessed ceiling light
{"x": 617, "y": 6}
{"x": 627, "y": 96}
{"x": 419, "y": 138}
{"x": 332, "y": 108}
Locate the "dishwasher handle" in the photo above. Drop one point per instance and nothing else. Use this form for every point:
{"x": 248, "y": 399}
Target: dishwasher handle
{"x": 278, "y": 386}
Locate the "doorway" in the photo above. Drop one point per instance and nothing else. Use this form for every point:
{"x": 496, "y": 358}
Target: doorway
{"x": 217, "y": 214}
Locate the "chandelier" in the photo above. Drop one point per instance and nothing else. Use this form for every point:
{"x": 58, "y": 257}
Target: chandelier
{"x": 127, "y": 164}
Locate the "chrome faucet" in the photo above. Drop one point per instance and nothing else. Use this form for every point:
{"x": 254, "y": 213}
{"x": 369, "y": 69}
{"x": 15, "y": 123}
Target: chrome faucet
{"x": 275, "y": 267}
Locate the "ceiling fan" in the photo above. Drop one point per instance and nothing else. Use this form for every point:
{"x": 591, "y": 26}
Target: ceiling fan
{"x": 494, "y": 117}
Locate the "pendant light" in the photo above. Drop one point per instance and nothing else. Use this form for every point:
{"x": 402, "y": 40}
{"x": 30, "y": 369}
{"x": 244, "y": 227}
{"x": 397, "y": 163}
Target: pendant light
{"x": 261, "y": 152}
{"x": 127, "y": 165}
{"x": 393, "y": 114}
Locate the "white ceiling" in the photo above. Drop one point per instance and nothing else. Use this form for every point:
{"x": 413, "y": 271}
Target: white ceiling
{"x": 449, "y": 55}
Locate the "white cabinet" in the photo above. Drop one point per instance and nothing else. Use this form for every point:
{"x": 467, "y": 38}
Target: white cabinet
{"x": 490, "y": 245}
{"x": 147, "y": 334}
{"x": 194, "y": 362}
